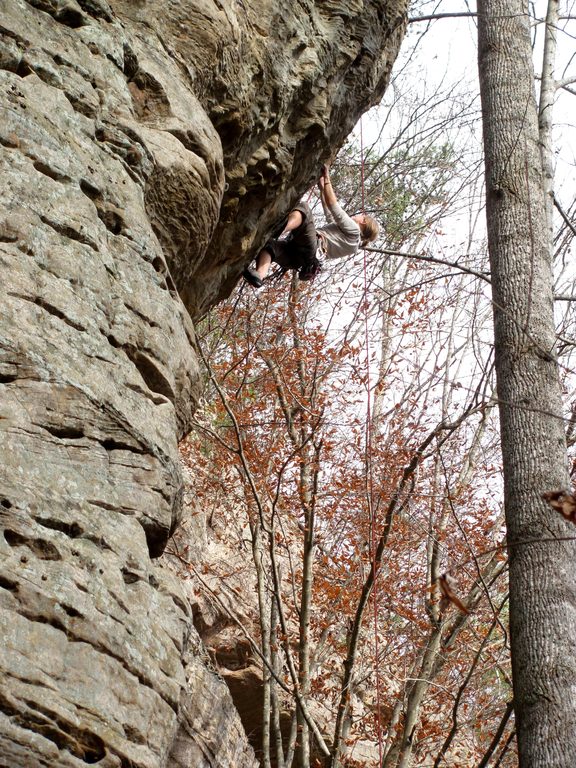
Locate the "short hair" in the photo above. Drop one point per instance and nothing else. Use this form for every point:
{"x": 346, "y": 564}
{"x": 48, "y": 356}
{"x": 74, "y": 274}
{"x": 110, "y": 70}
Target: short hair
{"x": 369, "y": 230}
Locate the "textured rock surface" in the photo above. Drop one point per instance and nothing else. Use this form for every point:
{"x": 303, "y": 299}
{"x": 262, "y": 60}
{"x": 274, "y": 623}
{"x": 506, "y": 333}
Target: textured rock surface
{"x": 146, "y": 149}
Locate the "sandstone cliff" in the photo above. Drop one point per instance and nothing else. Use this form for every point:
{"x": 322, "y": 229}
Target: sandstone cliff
{"x": 146, "y": 151}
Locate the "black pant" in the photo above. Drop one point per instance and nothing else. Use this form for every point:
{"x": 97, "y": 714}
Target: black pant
{"x": 299, "y": 248}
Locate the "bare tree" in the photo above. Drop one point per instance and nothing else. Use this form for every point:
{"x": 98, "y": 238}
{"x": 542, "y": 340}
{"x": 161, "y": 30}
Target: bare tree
{"x": 542, "y": 578}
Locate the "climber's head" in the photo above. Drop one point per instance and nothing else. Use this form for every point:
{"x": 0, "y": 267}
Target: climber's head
{"x": 369, "y": 228}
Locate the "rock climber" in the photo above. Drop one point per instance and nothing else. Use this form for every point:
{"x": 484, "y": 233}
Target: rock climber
{"x": 297, "y": 245}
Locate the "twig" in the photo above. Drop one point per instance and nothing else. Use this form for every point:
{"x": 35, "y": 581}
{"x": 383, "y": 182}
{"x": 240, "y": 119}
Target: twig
{"x": 571, "y": 226}
{"x": 434, "y": 16}
{"x": 433, "y": 260}
{"x": 497, "y": 736}
{"x": 462, "y": 688}
{"x": 303, "y": 708}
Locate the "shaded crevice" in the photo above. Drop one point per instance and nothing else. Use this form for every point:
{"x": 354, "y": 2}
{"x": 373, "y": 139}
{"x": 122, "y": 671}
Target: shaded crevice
{"x": 81, "y": 106}
{"x": 185, "y": 608}
{"x": 50, "y": 308}
{"x": 64, "y": 432}
{"x": 44, "y": 550}
{"x": 60, "y": 61}
{"x": 111, "y": 218}
{"x": 113, "y": 341}
{"x": 97, "y": 9}
{"x": 90, "y": 190}
{"x": 148, "y": 97}
{"x": 79, "y": 742}
{"x": 112, "y": 507}
{"x": 153, "y": 581}
{"x": 160, "y": 266}
{"x": 70, "y": 17}
{"x": 134, "y": 734}
{"x": 229, "y": 126}
{"x": 130, "y": 577}
{"x": 131, "y": 65}
{"x": 134, "y": 141}
{"x": 71, "y": 611}
{"x": 171, "y": 285}
{"x": 151, "y": 373}
{"x": 193, "y": 341}
{"x": 156, "y": 536}
{"x": 10, "y": 142}
{"x": 7, "y": 236}
{"x": 8, "y": 584}
{"x": 40, "y": 618}
{"x": 113, "y": 444}
{"x": 11, "y": 35}
{"x": 156, "y": 399}
{"x": 7, "y": 706}
{"x": 65, "y": 13}
{"x": 73, "y": 530}
{"x": 186, "y": 138}
{"x": 127, "y": 148}
{"x": 69, "y": 232}
{"x": 98, "y": 648}
{"x": 123, "y": 606}
{"x": 142, "y": 316}
{"x": 25, "y": 68}
{"x": 109, "y": 214}
{"x": 126, "y": 763}
{"x": 177, "y": 644}
{"x": 103, "y": 505}
{"x": 100, "y": 542}
{"x": 46, "y": 75}
{"x": 51, "y": 172}
{"x": 164, "y": 493}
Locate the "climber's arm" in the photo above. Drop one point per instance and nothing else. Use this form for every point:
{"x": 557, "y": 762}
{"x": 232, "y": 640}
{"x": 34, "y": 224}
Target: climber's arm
{"x": 333, "y": 210}
{"x": 326, "y": 190}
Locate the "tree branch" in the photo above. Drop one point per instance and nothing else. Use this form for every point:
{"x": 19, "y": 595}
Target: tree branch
{"x": 462, "y": 688}
{"x": 565, "y": 81}
{"x": 433, "y": 260}
{"x": 497, "y": 736}
{"x": 571, "y": 226}
{"x": 434, "y": 16}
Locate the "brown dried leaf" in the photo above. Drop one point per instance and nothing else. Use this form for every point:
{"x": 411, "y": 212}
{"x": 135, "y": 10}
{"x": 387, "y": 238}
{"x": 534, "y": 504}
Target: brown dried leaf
{"x": 447, "y": 585}
{"x": 562, "y": 502}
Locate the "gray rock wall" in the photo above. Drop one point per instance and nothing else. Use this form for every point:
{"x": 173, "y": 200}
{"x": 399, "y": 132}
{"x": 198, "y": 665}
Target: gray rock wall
{"x": 146, "y": 150}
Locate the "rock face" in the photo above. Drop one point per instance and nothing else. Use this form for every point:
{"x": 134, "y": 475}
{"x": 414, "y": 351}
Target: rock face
{"x": 146, "y": 150}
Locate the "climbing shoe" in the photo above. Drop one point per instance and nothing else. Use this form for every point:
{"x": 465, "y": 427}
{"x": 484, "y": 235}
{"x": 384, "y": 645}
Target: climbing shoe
{"x": 253, "y": 278}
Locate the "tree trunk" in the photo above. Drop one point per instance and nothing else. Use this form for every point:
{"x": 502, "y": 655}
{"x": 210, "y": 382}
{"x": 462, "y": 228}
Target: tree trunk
{"x": 542, "y": 574}
{"x": 546, "y": 108}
